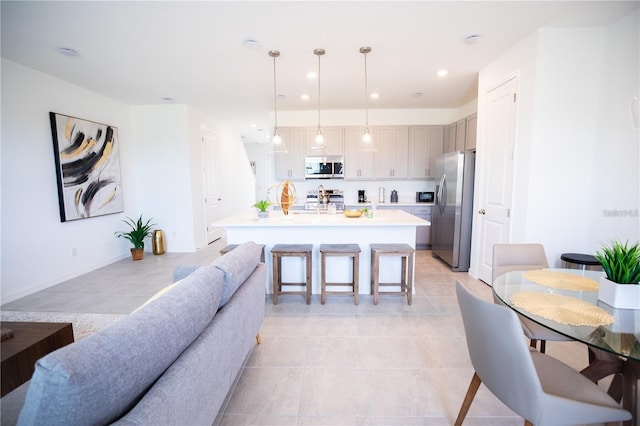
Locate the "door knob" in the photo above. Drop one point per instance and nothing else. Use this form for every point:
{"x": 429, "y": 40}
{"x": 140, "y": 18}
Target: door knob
{"x": 481, "y": 211}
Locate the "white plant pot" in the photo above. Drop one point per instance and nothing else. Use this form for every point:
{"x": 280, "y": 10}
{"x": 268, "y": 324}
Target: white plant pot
{"x": 621, "y": 296}
{"x": 263, "y": 215}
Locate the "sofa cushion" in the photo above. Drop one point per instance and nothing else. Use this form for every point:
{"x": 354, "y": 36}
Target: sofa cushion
{"x": 98, "y": 379}
{"x": 237, "y": 265}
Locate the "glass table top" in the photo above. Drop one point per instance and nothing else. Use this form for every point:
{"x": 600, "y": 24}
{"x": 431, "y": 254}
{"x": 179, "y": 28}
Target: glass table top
{"x": 622, "y": 337}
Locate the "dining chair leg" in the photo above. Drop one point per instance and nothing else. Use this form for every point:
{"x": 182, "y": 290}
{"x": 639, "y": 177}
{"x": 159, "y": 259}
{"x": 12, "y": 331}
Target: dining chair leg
{"x": 534, "y": 344}
{"x": 543, "y": 346}
{"x": 468, "y": 398}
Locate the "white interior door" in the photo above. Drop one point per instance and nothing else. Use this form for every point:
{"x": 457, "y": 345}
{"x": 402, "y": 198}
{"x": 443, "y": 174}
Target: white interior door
{"x": 495, "y": 210}
{"x": 212, "y": 198}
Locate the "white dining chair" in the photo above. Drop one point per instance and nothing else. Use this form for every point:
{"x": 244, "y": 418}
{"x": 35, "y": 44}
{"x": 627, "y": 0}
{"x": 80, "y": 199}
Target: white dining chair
{"x": 537, "y": 387}
{"x": 523, "y": 257}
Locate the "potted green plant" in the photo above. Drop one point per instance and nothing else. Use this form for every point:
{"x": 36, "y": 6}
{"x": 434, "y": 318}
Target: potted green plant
{"x": 262, "y": 207}
{"x": 139, "y": 231}
{"x": 621, "y": 263}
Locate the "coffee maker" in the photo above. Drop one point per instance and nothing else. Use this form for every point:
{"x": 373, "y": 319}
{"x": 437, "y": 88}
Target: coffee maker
{"x": 362, "y": 198}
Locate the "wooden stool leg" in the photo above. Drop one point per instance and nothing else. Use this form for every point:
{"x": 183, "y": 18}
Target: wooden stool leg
{"x": 323, "y": 278}
{"x": 356, "y": 277}
{"x": 410, "y": 280}
{"x": 275, "y": 259}
{"x": 376, "y": 278}
{"x": 308, "y": 277}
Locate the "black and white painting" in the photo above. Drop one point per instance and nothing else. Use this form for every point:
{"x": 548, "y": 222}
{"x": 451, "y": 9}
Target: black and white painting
{"x": 87, "y": 167}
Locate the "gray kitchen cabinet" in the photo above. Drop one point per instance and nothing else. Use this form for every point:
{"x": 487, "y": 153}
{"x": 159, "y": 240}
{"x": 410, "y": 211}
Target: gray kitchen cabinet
{"x": 426, "y": 143}
{"x": 450, "y": 139}
{"x": 423, "y": 233}
{"x": 291, "y": 165}
{"x": 358, "y": 165}
{"x": 471, "y": 131}
{"x": 461, "y": 134}
{"x": 333, "y": 138}
{"x": 393, "y": 152}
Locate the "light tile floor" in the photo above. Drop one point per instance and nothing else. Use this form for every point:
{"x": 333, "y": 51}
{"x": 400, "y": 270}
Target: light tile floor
{"x": 332, "y": 364}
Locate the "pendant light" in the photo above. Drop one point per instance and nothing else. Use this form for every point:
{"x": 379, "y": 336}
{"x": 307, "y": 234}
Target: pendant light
{"x": 319, "y": 145}
{"x": 366, "y": 143}
{"x": 277, "y": 144}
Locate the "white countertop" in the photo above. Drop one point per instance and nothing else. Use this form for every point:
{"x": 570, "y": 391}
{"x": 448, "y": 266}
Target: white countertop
{"x": 382, "y": 218}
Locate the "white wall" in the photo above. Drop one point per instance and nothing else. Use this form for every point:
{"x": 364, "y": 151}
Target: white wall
{"x": 162, "y": 166}
{"x": 36, "y": 246}
{"x": 615, "y": 178}
{"x": 576, "y": 151}
{"x": 161, "y": 171}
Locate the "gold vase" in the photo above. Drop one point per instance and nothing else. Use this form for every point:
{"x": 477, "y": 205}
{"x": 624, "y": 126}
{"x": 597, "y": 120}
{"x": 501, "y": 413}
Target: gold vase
{"x": 157, "y": 242}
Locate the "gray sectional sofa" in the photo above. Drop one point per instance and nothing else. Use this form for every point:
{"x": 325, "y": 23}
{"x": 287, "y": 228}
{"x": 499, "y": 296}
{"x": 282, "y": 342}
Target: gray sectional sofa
{"x": 171, "y": 362}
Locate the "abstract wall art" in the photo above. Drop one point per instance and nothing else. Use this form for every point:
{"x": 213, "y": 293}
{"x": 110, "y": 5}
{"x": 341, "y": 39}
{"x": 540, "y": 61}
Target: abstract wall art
{"x": 87, "y": 167}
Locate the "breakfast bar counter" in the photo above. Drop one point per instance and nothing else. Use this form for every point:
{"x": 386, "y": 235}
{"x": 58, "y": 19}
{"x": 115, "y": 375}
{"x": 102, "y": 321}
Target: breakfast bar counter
{"x": 306, "y": 227}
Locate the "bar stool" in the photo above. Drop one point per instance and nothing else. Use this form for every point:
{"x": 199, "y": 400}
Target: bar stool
{"x": 580, "y": 261}
{"x": 230, "y": 247}
{"x": 345, "y": 250}
{"x": 290, "y": 250}
{"x": 406, "y": 280}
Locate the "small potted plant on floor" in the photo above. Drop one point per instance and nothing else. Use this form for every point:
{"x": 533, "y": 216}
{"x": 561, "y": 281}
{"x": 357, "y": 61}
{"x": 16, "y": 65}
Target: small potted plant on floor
{"x": 139, "y": 231}
{"x": 262, "y": 207}
{"x": 621, "y": 263}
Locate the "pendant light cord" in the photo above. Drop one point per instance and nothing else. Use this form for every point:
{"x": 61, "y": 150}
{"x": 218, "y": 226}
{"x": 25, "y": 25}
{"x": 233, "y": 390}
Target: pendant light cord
{"x": 319, "y": 94}
{"x": 275, "y": 96}
{"x": 366, "y": 94}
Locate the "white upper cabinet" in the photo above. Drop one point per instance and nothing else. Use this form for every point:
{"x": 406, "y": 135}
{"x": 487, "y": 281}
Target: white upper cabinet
{"x": 393, "y": 152}
{"x": 333, "y": 137}
{"x": 357, "y": 164}
{"x": 291, "y": 165}
{"x": 471, "y": 128}
{"x": 426, "y": 143}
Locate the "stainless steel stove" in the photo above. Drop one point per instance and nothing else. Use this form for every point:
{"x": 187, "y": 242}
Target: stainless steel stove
{"x": 328, "y": 196}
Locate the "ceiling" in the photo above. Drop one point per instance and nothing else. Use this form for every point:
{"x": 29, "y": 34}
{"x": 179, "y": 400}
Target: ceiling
{"x": 195, "y": 53}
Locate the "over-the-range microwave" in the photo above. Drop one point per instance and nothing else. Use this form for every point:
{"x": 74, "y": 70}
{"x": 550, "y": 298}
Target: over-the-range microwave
{"x": 324, "y": 167}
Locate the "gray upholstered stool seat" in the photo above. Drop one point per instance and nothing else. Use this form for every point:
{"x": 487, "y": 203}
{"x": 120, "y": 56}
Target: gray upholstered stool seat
{"x": 344, "y": 250}
{"x": 228, "y": 248}
{"x": 406, "y": 252}
{"x": 291, "y": 250}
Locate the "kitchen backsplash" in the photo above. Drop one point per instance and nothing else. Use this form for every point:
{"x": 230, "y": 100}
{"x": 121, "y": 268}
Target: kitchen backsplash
{"x": 406, "y": 189}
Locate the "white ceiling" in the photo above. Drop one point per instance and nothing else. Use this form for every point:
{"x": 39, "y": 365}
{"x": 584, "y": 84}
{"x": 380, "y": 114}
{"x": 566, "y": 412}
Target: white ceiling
{"x": 193, "y": 52}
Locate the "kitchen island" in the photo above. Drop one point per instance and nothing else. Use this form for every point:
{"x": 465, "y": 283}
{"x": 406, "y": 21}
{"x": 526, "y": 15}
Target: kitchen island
{"x": 309, "y": 227}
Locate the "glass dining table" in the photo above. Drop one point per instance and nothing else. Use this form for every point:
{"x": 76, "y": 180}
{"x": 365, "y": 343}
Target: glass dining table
{"x": 566, "y": 301}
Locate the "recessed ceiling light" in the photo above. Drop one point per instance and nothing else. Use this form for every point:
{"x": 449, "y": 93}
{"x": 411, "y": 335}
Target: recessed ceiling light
{"x": 304, "y": 97}
{"x": 250, "y": 43}
{"x": 311, "y": 75}
{"x": 416, "y": 95}
{"x": 375, "y": 95}
{"x": 167, "y": 99}
{"x": 67, "y": 51}
{"x": 471, "y": 39}
{"x": 442, "y": 73}
{"x": 253, "y": 125}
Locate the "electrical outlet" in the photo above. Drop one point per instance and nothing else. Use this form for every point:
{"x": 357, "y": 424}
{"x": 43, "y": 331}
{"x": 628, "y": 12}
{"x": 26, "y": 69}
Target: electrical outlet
{"x": 74, "y": 252}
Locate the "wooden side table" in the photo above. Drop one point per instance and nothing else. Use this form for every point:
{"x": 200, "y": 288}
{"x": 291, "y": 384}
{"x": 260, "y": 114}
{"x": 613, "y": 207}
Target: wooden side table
{"x": 30, "y": 342}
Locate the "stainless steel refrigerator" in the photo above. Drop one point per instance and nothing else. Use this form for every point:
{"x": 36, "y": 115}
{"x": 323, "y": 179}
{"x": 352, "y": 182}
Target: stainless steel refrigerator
{"x": 451, "y": 215}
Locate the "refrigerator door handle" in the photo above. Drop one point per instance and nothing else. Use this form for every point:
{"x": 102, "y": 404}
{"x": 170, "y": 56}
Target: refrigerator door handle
{"x": 441, "y": 193}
